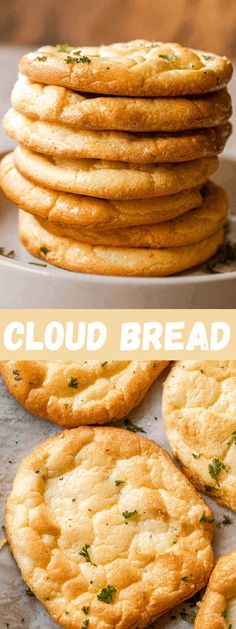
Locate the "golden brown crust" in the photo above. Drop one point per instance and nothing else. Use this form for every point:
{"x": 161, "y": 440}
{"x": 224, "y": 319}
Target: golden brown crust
{"x": 58, "y": 104}
{"x": 135, "y": 68}
{"x": 199, "y": 407}
{"x": 192, "y": 227}
{"x": 102, "y": 392}
{"x": 215, "y": 609}
{"x": 65, "y": 496}
{"x": 76, "y": 211}
{"x": 61, "y": 141}
{"x": 75, "y": 256}
{"x": 113, "y": 180}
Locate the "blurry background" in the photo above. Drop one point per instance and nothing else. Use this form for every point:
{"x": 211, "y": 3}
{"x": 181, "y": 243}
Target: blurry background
{"x": 207, "y": 24}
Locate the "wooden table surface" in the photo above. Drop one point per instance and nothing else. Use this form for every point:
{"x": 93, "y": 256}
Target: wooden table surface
{"x": 9, "y": 56}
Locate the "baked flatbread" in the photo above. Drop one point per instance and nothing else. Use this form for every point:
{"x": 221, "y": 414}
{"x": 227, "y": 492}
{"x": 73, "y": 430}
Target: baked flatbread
{"x": 218, "y": 606}
{"x": 75, "y": 393}
{"x": 86, "y": 111}
{"x": 113, "y": 180}
{"x": 100, "y": 521}
{"x": 192, "y": 227}
{"x": 77, "y": 211}
{"x": 76, "y": 256}
{"x": 135, "y": 68}
{"x": 61, "y": 141}
{"x": 199, "y": 406}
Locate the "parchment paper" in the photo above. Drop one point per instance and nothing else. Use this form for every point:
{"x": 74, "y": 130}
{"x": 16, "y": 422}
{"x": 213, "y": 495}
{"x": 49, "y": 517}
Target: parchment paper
{"x": 20, "y": 432}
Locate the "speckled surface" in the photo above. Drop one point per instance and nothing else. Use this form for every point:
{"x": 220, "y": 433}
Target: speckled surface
{"x": 20, "y": 432}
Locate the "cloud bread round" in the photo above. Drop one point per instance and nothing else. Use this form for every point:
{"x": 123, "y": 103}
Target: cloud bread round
{"x": 113, "y": 179}
{"x": 61, "y": 141}
{"x": 76, "y": 211}
{"x": 75, "y": 256}
{"x": 134, "y": 68}
{"x": 58, "y": 104}
{"x": 104, "y": 527}
{"x": 192, "y": 227}
{"x": 77, "y": 393}
{"x": 199, "y": 406}
{"x": 218, "y": 606}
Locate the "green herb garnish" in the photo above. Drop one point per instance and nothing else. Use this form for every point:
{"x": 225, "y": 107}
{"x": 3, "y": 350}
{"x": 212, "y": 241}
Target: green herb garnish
{"x": 225, "y": 521}
{"x": 205, "y": 518}
{"x": 119, "y": 482}
{"x": 41, "y": 58}
{"x": 85, "y": 624}
{"x": 168, "y": 57}
{"x": 37, "y": 264}
{"x": 188, "y": 616}
{"x": 82, "y": 59}
{"x": 197, "y": 456}
{"x": 10, "y": 254}
{"x": 16, "y": 374}
{"x": 104, "y": 364}
{"x": 132, "y": 427}
{"x": 225, "y": 254}
{"x": 29, "y": 592}
{"x": 44, "y": 250}
{"x": 129, "y": 514}
{"x": 84, "y": 553}
{"x": 85, "y": 610}
{"x": 106, "y": 594}
{"x": 215, "y": 468}
{"x": 73, "y": 383}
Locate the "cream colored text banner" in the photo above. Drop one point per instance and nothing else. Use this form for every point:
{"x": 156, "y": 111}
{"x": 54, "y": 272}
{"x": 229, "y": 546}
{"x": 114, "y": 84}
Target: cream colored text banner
{"x": 117, "y": 334}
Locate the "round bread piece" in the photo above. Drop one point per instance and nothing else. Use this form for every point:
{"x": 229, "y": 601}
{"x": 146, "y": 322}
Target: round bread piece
{"x": 58, "y": 104}
{"x": 135, "y": 68}
{"x": 77, "y": 211}
{"x": 61, "y": 141}
{"x": 113, "y": 180}
{"x": 199, "y": 406}
{"x": 100, "y": 521}
{"x": 75, "y": 256}
{"x": 218, "y": 606}
{"x": 192, "y": 227}
{"x": 78, "y": 393}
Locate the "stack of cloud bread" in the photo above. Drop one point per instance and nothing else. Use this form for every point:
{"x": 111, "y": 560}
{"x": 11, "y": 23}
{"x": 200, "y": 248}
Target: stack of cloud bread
{"x": 116, "y": 145}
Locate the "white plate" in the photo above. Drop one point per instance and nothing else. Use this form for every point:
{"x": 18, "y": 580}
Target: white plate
{"x": 23, "y": 285}
{"x": 20, "y": 432}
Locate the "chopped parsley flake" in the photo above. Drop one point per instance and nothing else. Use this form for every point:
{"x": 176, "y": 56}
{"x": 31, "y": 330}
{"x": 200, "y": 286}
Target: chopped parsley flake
{"x": 215, "y": 468}
{"x": 82, "y": 59}
{"x": 104, "y": 364}
{"x": 44, "y": 250}
{"x": 84, "y": 553}
{"x": 129, "y": 514}
{"x": 197, "y": 456}
{"x": 85, "y": 610}
{"x": 85, "y": 624}
{"x": 10, "y": 254}
{"x": 205, "y": 518}
{"x": 106, "y": 594}
{"x": 73, "y": 383}
{"x": 29, "y": 592}
{"x": 225, "y": 254}
{"x": 188, "y": 616}
{"x": 16, "y": 374}
{"x": 119, "y": 482}
{"x": 225, "y": 521}
{"x": 168, "y": 57}
{"x": 41, "y": 58}
{"x": 132, "y": 427}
